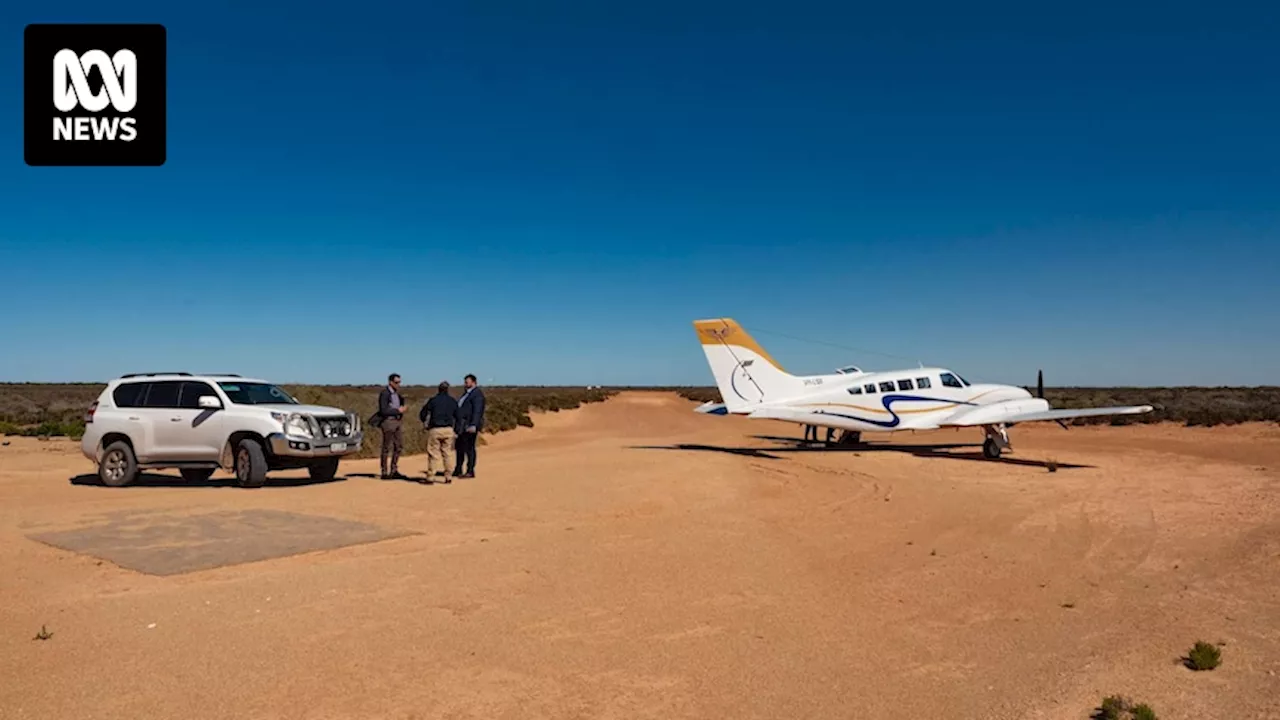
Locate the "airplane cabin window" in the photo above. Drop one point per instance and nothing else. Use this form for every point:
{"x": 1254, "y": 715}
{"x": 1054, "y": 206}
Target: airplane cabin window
{"x": 950, "y": 380}
{"x": 871, "y": 388}
{"x": 923, "y": 383}
{"x": 886, "y": 386}
{"x": 855, "y": 390}
{"x": 905, "y": 385}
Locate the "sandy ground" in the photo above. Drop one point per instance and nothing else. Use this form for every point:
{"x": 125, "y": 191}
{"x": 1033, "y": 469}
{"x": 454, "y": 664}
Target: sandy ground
{"x": 635, "y": 560}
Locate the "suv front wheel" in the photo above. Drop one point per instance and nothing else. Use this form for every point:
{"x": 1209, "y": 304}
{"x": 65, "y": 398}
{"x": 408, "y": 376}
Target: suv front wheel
{"x": 323, "y": 470}
{"x": 251, "y": 463}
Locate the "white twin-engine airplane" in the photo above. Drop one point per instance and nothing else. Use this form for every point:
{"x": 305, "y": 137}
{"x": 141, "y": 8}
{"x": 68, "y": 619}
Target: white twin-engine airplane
{"x": 753, "y": 384}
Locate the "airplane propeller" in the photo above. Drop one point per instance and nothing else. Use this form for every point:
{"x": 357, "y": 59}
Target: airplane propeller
{"x": 1040, "y": 394}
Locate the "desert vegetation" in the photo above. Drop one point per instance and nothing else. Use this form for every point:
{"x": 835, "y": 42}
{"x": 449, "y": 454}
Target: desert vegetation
{"x": 1203, "y": 656}
{"x": 1191, "y": 406}
{"x": 1117, "y": 707}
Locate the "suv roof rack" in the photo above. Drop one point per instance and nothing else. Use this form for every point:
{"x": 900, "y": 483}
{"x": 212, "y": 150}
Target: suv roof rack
{"x": 153, "y": 374}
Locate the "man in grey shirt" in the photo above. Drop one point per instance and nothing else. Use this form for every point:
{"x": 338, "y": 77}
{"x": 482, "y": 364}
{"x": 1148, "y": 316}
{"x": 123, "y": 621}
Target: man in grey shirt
{"x": 391, "y": 409}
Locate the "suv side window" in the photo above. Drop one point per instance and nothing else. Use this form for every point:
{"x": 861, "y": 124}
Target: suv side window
{"x": 191, "y": 391}
{"x": 129, "y": 395}
{"x": 163, "y": 394}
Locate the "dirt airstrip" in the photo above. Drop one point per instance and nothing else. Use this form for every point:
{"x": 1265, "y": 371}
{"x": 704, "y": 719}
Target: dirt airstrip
{"x": 633, "y": 559}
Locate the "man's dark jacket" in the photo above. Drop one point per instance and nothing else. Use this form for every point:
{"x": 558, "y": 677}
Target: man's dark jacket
{"x": 471, "y": 411}
{"x": 385, "y": 408}
{"x": 439, "y": 411}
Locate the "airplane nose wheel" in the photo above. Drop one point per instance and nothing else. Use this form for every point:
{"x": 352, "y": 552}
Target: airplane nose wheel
{"x": 997, "y": 441}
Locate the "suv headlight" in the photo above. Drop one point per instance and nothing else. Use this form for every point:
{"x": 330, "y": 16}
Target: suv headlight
{"x": 295, "y": 424}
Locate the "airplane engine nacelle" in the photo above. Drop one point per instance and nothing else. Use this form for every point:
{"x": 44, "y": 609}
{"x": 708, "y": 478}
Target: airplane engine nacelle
{"x": 995, "y": 413}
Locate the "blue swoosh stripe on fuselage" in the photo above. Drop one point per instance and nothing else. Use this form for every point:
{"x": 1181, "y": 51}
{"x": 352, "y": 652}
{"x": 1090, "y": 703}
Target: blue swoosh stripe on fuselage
{"x": 888, "y": 401}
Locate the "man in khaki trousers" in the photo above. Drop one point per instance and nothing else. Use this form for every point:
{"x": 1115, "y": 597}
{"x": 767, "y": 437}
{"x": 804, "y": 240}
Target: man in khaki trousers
{"x": 439, "y": 416}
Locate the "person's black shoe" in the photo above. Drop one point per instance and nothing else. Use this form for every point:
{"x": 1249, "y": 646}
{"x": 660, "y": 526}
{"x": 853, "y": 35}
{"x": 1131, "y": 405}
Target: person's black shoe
{"x": 469, "y": 475}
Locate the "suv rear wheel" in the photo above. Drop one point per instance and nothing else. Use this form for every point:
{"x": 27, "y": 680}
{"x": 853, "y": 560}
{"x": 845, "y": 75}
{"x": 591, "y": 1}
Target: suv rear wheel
{"x": 251, "y": 463}
{"x": 119, "y": 467}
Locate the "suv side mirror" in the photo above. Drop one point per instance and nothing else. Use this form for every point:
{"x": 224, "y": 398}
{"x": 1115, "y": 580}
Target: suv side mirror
{"x": 209, "y": 402}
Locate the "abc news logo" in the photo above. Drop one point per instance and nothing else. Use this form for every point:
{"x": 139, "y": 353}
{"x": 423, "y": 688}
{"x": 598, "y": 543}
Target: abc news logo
{"x": 119, "y": 87}
{"x": 108, "y": 103}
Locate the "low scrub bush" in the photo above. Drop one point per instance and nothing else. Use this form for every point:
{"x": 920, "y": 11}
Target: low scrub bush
{"x": 1203, "y": 656}
{"x": 1117, "y": 707}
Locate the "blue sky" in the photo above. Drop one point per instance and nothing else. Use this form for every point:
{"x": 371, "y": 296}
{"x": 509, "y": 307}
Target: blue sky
{"x": 551, "y": 192}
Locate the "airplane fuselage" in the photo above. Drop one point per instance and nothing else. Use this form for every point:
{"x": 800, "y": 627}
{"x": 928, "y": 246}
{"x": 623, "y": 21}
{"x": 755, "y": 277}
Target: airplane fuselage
{"x": 888, "y": 401}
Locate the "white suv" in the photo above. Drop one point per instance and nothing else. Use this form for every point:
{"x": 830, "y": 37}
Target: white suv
{"x": 199, "y": 423}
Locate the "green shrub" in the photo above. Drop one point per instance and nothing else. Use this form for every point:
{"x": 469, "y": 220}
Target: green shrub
{"x": 1117, "y": 707}
{"x": 1203, "y": 656}
{"x": 1111, "y": 708}
{"x": 1143, "y": 712}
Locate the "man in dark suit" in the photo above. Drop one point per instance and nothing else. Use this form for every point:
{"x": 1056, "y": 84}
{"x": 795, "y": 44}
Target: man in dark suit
{"x": 470, "y": 423}
{"x": 391, "y": 410}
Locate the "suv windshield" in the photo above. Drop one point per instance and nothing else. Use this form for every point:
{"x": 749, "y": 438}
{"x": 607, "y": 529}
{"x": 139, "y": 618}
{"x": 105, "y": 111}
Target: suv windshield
{"x": 256, "y": 394}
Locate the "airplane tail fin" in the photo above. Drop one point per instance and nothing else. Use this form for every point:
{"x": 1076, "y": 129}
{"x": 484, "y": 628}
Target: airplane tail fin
{"x": 744, "y": 372}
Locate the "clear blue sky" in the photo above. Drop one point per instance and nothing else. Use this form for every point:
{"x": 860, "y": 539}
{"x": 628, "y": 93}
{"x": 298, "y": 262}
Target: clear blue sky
{"x": 551, "y": 192}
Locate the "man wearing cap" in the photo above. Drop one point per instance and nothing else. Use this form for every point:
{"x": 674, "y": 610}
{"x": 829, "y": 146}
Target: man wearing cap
{"x": 439, "y": 416}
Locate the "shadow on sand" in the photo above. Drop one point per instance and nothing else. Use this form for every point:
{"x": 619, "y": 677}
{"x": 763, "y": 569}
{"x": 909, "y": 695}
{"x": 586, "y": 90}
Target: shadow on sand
{"x": 157, "y": 480}
{"x": 948, "y": 451}
{"x": 417, "y": 478}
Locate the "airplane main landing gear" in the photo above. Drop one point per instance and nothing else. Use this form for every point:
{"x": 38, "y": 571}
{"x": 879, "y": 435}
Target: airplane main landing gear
{"x": 849, "y": 437}
{"x": 996, "y": 442}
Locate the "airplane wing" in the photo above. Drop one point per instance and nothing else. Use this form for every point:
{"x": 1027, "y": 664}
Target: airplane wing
{"x": 712, "y": 408}
{"x": 984, "y": 415}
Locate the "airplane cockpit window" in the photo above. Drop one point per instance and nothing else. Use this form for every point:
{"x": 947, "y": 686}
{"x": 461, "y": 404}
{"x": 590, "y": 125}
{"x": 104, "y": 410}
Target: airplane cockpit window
{"x": 886, "y": 386}
{"x": 871, "y": 388}
{"x": 950, "y": 380}
{"x": 923, "y": 383}
{"x": 965, "y": 382}
{"x": 851, "y": 370}
{"x": 905, "y": 385}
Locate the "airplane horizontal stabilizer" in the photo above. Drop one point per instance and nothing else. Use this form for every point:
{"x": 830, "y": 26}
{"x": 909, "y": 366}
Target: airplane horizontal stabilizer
{"x": 712, "y": 408}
